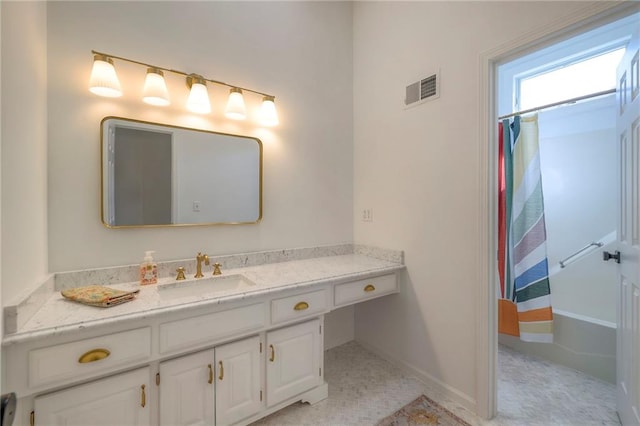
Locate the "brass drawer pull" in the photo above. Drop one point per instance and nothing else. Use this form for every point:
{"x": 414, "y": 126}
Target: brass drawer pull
{"x": 143, "y": 401}
{"x": 93, "y": 355}
{"x": 210, "y": 374}
{"x": 369, "y": 287}
{"x": 301, "y": 306}
{"x": 221, "y": 376}
{"x": 273, "y": 354}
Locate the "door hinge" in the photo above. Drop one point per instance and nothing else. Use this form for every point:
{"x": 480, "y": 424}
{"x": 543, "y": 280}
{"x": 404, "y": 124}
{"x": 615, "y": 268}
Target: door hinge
{"x": 320, "y": 371}
{"x": 260, "y": 395}
{"x": 260, "y": 347}
{"x": 32, "y": 418}
{"x": 320, "y": 329}
{"x": 158, "y": 379}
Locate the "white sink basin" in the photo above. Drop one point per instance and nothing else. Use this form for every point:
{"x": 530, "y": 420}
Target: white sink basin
{"x": 206, "y": 286}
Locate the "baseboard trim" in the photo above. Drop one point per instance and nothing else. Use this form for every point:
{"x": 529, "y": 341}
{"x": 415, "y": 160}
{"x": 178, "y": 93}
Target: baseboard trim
{"x": 427, "y": 379}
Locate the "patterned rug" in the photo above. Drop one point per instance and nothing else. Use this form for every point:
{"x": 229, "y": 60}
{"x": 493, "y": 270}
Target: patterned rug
{"x": 422, "y": 411}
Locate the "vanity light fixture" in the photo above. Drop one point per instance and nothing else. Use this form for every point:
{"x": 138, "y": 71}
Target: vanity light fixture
{"x": 155, "y": 88}
{"x": 235, "y": 105}
{"x": 268, "y": 113}
{"x": 104, "y": 82}
{"x": 198, "y": 100}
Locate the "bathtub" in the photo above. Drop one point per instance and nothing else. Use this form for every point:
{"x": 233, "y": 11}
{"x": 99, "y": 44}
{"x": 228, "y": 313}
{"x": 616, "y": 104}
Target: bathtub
{"x": 583, "y": 296}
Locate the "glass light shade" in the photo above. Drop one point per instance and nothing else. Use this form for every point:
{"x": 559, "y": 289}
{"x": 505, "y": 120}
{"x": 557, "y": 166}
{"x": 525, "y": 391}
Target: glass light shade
{"x": 235, "y": 105}
{"x": 104, "y": 81}
{"x": 268, "y": 113}
{"x": 155, "y": 89}
{"x": 198, "y": 100}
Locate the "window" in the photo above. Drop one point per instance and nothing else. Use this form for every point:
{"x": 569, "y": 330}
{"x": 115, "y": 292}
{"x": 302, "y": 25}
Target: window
{"x": 569, "y": 80}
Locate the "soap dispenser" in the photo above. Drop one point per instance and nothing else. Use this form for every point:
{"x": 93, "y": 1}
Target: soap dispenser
{"x": 148, "y": 269}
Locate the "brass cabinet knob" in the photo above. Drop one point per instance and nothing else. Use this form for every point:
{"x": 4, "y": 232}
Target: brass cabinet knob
{"x": 369, "y": 287}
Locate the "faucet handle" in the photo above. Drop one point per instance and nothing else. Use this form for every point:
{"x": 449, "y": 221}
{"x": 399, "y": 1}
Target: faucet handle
{"x": 180, "y": 272}
{"x": 216, "y": 269}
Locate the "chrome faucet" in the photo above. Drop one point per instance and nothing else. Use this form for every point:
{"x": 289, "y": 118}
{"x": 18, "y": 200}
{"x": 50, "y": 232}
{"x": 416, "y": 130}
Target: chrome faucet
{"x": 199, "y": 258}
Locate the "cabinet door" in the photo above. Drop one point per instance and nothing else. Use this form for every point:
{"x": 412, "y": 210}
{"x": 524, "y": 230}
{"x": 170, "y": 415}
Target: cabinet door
{"x": 118, "y": 400}
{"x": 186, "y": 390}
{"x": 239, "y": 378}
{"x": 293, "y": 363}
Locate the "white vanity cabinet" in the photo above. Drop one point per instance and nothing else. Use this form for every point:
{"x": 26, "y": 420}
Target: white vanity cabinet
{"x": 186, "y": 390}
{"x": 239, "y": 380}
{"x": 361, "y": 290}
{"x": 121, "y": 399}
{"x": 206, "y": 363}
{"x": 294, "y": 360}
{"x": 224, "y": 383}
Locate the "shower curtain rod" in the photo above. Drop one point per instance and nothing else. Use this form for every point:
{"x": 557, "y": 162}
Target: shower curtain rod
{"x": 568, "y": 101}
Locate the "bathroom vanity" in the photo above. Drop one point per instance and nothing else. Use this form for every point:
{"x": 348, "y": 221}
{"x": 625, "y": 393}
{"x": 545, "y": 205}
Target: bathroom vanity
{"x": 218, "y": 350}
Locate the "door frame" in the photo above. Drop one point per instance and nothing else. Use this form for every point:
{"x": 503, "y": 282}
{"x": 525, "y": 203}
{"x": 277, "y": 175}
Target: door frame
{"x": 590, "y": 17}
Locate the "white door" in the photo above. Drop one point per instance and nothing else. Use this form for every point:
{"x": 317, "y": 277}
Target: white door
{"x": 628, "y": 139}
{"x": 118, "y": 400}
{"x": 186, "y": 390}
{"x": 239, "y": 380}
{"x": 293, "y": 361}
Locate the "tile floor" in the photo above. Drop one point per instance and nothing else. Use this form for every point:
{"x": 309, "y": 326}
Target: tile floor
{"x": 532, "y": 391}
{"x": 364, "y": 388}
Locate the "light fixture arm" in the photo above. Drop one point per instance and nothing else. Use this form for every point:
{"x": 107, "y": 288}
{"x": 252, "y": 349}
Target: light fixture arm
{"x": 108, "y": 55}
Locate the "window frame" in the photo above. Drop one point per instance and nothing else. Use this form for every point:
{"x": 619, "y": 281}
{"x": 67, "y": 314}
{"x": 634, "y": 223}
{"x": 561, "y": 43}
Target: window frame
{"x": 572, "y": 49}
{"x": 576, "y": 58}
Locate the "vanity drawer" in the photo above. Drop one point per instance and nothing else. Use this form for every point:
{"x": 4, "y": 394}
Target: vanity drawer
{"x": 86, "y": 358}
{"x": 360, "y": 290}
{"x": 194, "y": 332}
{"x": 299, "y": 306}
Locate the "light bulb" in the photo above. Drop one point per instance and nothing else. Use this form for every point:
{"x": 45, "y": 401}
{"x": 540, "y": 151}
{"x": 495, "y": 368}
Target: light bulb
{"x": 235, "y": 105}
{"x": 198, "y": 100}
{"x": 155, "y": 89}
{"x": 104, "y": 81}
{"x": 268, "y": 113}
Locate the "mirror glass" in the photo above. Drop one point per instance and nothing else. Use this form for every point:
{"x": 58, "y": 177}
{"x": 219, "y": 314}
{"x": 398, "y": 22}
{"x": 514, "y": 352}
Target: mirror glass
{"x": 161, "y": 175}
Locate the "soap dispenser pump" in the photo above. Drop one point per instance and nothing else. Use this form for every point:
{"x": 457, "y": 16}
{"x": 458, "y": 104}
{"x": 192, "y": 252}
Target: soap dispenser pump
{"x": 148, "y": 269}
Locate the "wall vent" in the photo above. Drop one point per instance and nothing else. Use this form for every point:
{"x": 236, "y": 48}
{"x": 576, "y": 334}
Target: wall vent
{"x": 423, "y": 90}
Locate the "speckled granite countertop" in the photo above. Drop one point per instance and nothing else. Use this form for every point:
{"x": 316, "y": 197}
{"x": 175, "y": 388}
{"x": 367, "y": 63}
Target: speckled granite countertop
{"x": 56, "y": 315}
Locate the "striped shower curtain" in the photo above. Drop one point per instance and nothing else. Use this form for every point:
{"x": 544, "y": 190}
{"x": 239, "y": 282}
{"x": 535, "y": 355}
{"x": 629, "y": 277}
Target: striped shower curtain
{"x": 524, "y": 306}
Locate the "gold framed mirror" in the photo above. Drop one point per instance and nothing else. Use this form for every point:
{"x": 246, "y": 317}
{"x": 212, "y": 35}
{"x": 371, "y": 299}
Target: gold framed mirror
{"x": 156, "y": 175}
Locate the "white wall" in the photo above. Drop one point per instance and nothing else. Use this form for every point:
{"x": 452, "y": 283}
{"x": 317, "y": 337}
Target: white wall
{"x": 24, "y": 146}
{"x": 418, "y": 170}
{"x": 339, "y": 327}
{"x": 579, "y": 174}
{"x": 299, "y": 51}
{"x": 579, "y": 177}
